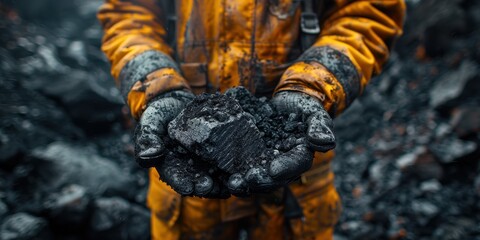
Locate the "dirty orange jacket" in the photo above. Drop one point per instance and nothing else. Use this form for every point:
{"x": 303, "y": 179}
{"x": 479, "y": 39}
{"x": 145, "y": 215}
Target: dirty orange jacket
{"x": 253, "y": 43}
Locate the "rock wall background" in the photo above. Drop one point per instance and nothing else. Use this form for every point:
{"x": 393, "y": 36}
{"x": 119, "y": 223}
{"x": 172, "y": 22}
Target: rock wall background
{"x": 407, "y": 161}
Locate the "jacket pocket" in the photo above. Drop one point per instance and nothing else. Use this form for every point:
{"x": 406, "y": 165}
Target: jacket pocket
{"x": 162, "y": 200}
{"x": 321, "y": 211}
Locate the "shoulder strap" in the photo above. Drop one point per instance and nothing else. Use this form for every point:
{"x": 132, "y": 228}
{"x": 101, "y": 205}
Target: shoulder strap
{"x": 309, "y": 25}
{"x": 171, "y": 22}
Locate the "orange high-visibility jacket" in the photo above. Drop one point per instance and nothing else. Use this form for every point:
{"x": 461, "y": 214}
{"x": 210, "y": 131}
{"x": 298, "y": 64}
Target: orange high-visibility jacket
{"x": 253, "y": 43}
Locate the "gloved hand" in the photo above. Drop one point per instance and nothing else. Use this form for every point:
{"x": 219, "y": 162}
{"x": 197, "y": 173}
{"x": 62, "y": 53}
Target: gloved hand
{"x": 152, "y": 128}
{"x": 319, "y": 135}
{"x": 150, "y": 149}
{"x": 288, "y": 166}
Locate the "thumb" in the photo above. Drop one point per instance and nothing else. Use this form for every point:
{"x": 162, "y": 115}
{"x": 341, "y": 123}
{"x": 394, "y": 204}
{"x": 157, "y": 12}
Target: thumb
{"x": 320, "y": 134}
{"x": 292, "y": 163}
{"x": 152, "y": 128}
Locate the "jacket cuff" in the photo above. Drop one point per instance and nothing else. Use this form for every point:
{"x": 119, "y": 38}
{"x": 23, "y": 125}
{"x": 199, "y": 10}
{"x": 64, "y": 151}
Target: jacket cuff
{"x": 140, "y": 66}
{"x": 147, "y": 75}
{"x": 156, "y": 83}
{"x": 325, "y": 73}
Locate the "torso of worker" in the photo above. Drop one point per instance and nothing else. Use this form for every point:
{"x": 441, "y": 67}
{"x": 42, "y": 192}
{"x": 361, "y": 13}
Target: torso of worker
{"x": 223, "y": 44}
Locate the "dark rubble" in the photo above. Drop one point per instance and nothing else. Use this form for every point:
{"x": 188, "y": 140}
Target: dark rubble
{"x": 66, "y": 169}
{"x": 407, "y": 156}
{"x": 407, "y": 169}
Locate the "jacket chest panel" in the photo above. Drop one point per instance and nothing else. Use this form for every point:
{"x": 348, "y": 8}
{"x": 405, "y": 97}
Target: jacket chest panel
{"x": 237, "y": 42}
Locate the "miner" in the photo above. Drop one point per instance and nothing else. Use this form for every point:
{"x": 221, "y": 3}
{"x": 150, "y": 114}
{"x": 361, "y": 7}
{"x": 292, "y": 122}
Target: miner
{"x": 312, "y": 57}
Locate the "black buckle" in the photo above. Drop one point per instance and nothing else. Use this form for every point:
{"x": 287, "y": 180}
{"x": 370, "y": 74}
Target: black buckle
{"x": 309, "y": 23}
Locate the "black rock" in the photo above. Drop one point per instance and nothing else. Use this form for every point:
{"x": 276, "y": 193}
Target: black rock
{"x": 430, "y": 186}
{"x": 79, "y": 165}
{"x": 465, "y": 121}
{"x": 435, "y": 30}
{"x": 58, "y": 165}
{"x": 3, "y": 209}
{"x": 22, "y": 226}
{"x": 69, "y": 209}
{"x": 461, "y": 228}
{"x": 452, "y": 149}
{"x": 29, "y": 120}
{"x": 90, "y": 98}
{"x": 216, "y": 128}
{"x": 9, "y": 148}
{"x": 115, "y": 218}
{"x": 424, "y": 211}
{"x": 454, "y": 85}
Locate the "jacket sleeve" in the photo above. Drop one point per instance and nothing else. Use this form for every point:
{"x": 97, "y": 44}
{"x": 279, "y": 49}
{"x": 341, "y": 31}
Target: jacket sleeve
{"x": 353, "y": 45}
{"x": 134, "y": 42}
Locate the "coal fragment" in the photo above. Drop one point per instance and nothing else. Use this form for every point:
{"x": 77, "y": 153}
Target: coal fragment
{"x": 466, "y": 121}
{"x": 424, "y": 210}
{"x": 451, "y": 149}
{"x": 68, "y": 163}
{"x": 78, "y": 91}
{"x": 59, "y": 164}
{"x": 22, "y": 226}
{"x": 430, "y": 186}
{"x": 3, "y": 209}
{"x": 115, "y": 218}
{"x": 69, "y": 209}
{"x": 460, "y": 228}
{"x": 451, "y": 87}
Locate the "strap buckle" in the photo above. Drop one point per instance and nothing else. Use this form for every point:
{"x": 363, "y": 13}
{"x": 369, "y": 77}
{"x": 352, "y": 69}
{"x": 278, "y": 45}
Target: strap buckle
{"x": 309, "y": 23}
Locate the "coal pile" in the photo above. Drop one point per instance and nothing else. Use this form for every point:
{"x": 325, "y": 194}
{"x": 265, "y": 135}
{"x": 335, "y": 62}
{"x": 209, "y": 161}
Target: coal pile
{"x": 66, "y": 169}
{"x": 409, "y": 167}
{"x": 224, "y": 134}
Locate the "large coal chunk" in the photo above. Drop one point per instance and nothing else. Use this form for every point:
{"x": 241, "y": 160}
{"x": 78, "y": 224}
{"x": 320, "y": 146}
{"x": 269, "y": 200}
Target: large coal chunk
{"x": 22, "y": 226}
{"x": 216, "y": 128}
{"x": 225, "y": 134}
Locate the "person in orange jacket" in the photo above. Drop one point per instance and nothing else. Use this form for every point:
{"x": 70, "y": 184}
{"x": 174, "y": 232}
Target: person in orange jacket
{"x": 312, "y": 57}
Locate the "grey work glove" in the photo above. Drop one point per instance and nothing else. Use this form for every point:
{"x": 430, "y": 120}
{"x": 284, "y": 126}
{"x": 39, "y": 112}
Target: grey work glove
{"x": 288, "y": 166}
{"x": 152, "y": 128}
{"x": 319, "y": 135}
{"x": 150, "y": 148}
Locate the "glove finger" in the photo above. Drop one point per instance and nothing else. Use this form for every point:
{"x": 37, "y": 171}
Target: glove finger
{"x": 177, "y": 179}
{"x": 237, "y": 185}
{"x": 259, "y": 180}
{"x": 291, "y": 164}
{"x": 286, "y": 102}
{"x": 149, "y": 147}
{"x": 320, "y": 132}
{"x": 296, "y": 102}
{"x": 203, "y": 185}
